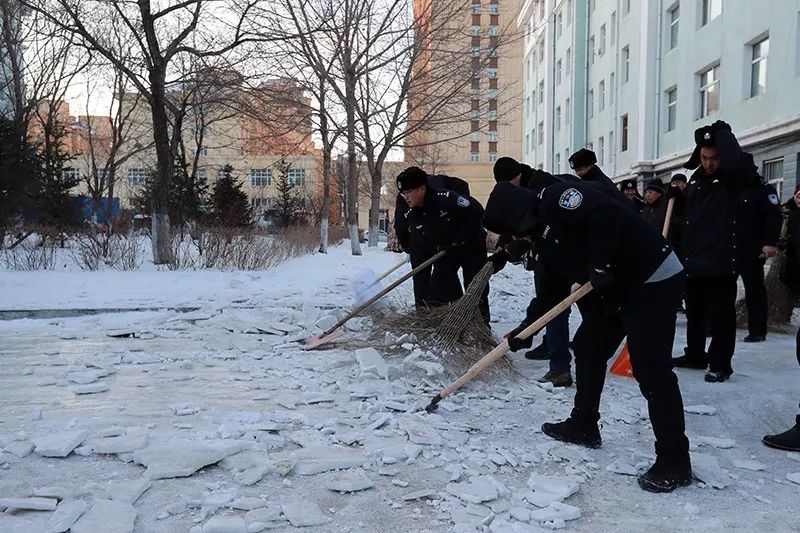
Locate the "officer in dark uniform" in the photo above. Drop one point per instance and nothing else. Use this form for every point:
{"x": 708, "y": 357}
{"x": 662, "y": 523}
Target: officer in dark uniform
{"x": 709, "y": 248}
{"x": 584, "y": 163}
{"x": 441, "y": 219}
{"x": 418, "y": 249}
{"x": 628, "y": 188}
{"x": 758, "y": 230}
{"x": 655, "y": 208}
{"x": 677, "y": 190}
{"x": 580, "y": 235}
{"x": 555, "y": 343}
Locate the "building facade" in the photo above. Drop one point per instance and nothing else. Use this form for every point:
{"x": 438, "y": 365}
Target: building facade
{"x": 632, "y": 80}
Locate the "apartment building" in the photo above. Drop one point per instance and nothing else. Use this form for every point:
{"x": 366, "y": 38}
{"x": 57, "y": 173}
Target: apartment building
{"x": 632, "y": 80}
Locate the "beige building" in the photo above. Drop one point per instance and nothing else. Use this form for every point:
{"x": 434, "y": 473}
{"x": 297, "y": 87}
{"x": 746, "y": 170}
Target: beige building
{"x": 492, "y": 124}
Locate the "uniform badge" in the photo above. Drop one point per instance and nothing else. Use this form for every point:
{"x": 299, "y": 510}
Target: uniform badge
{"x": 462, "y": 202}
{"x": 570, "y": 199}
{"x": 773, "y": 199}
{"x": 399, "y": 185}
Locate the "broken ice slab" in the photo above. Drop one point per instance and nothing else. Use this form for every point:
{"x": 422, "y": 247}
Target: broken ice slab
{"x": 267, "y": 513}
{"x": 303, "y": 513}
{"x": 371, "y": 362}
{"x": 86, "y": 376}
{"x": 714, "y": 442}
{"x": 29, "y": 504}
{"x": 59, "y": 444}
{"x": 621, "y": 467}
{"x": 747, "y": 464}
{"x": 315, "y": 460}
{"x": 181, "y": 458}
{"x": 549, "y": 489}
{"x": 92, "y": 388}
{"x": 127, "y": 490}
{"x": 706, "y": 468}
{"x": 107, "y": 516}
{"x": 701, "y": 409}
{"x": 225, "y": 524}
{"x": 350, "y": 481}
{"x": 794, "y": 478}
{"x": 135, "y": 440}
{"x": 477, "y": 490}
{"x": 556, "y": 511}
{"x": 65, "y": 515}
{"x": 418, "y": 494}
{"x": 20, "y": 448}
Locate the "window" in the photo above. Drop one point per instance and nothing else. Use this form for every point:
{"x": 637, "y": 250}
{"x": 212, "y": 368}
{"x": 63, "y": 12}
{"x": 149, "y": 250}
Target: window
{"x": 602, "y": 49}
{"x": 527, "y": 142}
{"x": 476, "y": 94}
{"x": 592, "y": 5}
{"x": 672, "y": 108}
{"x": 494, "y": 31}
{"x": 70, "y": 175}
{"x": 559, "y": 25}
{"x": 611, "y": 146}
{"x": 493, "y": 52}
{"x": 492, "y": 157}
{"x": 527, "y": 105}
{"x": 262, "y": 203}
{"x": 474, "y": 157}
{"x": 541, "y": 92}
{"x": 590, "y": 102}
{"x": 672, "y": 18}
{"x": 475, "y": 136}
{"x": 492, "y": 115}
{"x": 202, "y": 173}
{"x": 569, "y": 61}
{"x": 533, "y": 139}
{"x": 601, "y": 95}
{"x": 476, "y": 51}
{"x": 558, "y": 72}
{"x": 494, "y": 9}
{"x": 568, "y": 12}
{"x": 711, "y": 10}
{"x": 626, "y": 64}
{"x": 773, "y": 173}
{"x": 558, "y": 119}
{"x": 203, "y": 151}
{"x": 709, "y": 91}
{"x": 567, "y": 112}
{"x": 601, "y": 148}
{"x": 626, "y": 7}
{"x": 558, "y": 164}
{"x": 591, "y": 50}
{"x": 613, "y": 28}
{"x": 758, "y": 68}
{"x": 137, "y": 176}
{"x": 492, "y": 73}
{"x": 611, "y": 89}
{"x": 476, "y": 9}
{"x": 474, "y": 114}
{"x": 476, "y": 30}
{"x": 541, "y": 51}
{"x": 493, "y": 94}
{"x": 624, "y": 128}
{"x": 540, "y": 133}
{"x": 492, "y": 136}
{"x": 260, "y": 177}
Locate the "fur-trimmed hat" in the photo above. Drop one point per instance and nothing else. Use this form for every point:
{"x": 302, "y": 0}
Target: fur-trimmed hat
{"x": 655, "y": 184}
{"x": 411, "y": 178}
{"x": 582, "y": 158}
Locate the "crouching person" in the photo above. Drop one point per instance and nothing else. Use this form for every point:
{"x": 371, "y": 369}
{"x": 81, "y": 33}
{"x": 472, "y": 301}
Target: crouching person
{"x": 580, "y": 235}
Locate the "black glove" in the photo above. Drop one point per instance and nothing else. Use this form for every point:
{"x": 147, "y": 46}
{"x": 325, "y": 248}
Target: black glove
{"x": 515, "y": 344}
{"x": 601, "y": 279}
{"x": 498, "y": 260}
{"x": 517, "y": 248}
{"x": 673, "y": 192}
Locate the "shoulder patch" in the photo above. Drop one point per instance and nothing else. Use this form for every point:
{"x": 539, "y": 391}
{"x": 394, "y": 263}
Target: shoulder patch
{"x": 773, "y": 199}
{"x": 462, "y": 202}
{"x": 570, "y": 199}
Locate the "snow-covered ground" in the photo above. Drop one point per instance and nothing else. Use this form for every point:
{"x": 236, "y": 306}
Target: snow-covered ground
{"x": 214, "y": 420}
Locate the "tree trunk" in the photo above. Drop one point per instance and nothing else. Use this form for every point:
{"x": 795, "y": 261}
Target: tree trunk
{"x": 326, "y": 199}
{"x": 352, "y": 166}
{"x": 160, "y": 232}
{"x": 374, "y": 208}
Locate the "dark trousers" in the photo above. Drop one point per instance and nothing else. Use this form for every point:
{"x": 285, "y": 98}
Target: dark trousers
{"x": 797, "y": 352}
{"x": 422, "y": 279}
{"x": 556, "y": 338}
{"x": 647, "y": 318}
{"x": 755, "y": 293}
{"x": 711, "y": 301}
{"x": 445, "y": 287}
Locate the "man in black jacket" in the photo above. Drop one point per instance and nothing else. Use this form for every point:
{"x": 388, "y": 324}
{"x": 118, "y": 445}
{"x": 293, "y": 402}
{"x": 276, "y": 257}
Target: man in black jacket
{"x": 758, "y": 230}
{"x": 411, "y": 243}
{"x": 655, "y": 209}
{"x": 709, "y": 248}
{"x": 584, "y": 163}
{"x": 441, "y": 219}
{"x": 628, "y": 188}
{"x": 580, "y": 235}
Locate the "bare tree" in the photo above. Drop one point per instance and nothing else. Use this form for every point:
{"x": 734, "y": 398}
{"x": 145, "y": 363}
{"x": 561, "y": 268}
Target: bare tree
{"x": 161, "y": 33}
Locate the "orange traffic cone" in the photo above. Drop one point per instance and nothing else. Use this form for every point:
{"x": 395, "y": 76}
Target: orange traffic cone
{"x": 622, "y": 366}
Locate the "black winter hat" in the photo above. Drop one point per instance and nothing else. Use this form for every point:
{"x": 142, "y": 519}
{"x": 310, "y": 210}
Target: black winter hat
{"x": 582, "y": 158}
{"x": 627, "y": 184}
{"x": 655, "y": 184}
{"x": 506, "y": 169}
{"x": 709, "y": 137}
{"x": 679, "y": 177}
{"x": 411, "y": 178}
{"x": 511, "y": 210}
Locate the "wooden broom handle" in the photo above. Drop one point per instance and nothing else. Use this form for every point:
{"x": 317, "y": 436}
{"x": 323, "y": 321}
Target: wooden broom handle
{"x": 668, "y": 217}
{"x": 383, "y": 293}
{"x": 398, "y": 265}
{"x": 489, "y": 359}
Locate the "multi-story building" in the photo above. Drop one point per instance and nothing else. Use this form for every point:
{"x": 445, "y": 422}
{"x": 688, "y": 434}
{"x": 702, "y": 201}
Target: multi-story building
{"x": 491, "y": 125}
{"x": 632, "y": 80}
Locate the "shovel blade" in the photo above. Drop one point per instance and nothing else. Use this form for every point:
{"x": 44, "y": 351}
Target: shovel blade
{"x": 317, "y": 340}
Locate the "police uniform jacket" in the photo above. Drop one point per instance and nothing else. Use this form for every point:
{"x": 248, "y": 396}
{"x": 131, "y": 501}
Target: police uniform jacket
{"x": 758, "y": 221}
{"x": 402, "y": 209}
{"x": 447, "y": 218}
{"x": 655, "y": 213}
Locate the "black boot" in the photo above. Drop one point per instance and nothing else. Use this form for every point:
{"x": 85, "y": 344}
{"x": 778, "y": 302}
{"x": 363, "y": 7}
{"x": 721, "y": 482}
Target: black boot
{"x": 718, "y": 376}
{"x": 788, "y": 440}
{"x": 540, "y": 353}
{"x": 688, "y": 361}
{"x": 580, "y": 428}
{"x": 666, "y": 475}
{"x": 755, "y": 338}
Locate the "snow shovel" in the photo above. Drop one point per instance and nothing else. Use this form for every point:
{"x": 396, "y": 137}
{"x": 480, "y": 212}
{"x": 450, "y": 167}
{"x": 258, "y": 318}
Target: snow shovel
{"x": 622, "y": 364}
{"x": 331, "y": 334}
{"x": 502, "y": 349}
{"x": 365, "y": 284}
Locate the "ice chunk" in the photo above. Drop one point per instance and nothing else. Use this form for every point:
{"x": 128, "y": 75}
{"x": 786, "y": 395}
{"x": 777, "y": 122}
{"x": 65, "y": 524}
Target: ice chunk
{"x": 182, "y": 458}
{"x": 371, "y": 362}
{"x": 621, "y": 467}
{"x": 248, "y": 503}
{"x": 714, "y": 442}
{"x": 59, "y": 444}
{"x": 315, "y": 460}
{"x": 418, "y": 494}
{"x": 301, "y": 513}
{"x": 30, "y": 504}
{"x": 794, "y": 478}
{"x": 701, "y": 409}
{"x": 747, "y": 464}
{"x": 350, "y": 482}
{"x": 66, "y": 514}
{"x": 706, "y": 468}
{"x": 107, "y": 516}
{"x": 225, "y": 524}
{"x": 476, "y": 490}
{"x": 550, "y": 489}
{"x": 92, "y": 388}
{"x": 556, "y": 511}
{"x": 20, "y": 448}
{"x": 127, "y": 490}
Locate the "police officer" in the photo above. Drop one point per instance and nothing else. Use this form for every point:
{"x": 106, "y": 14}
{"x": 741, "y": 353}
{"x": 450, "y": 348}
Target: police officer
{"x": 758, "y": 230}
{"x": 441, "y": 219}
{"x": 655, "y": 208}
{"x": 628, "y": 188}
{"x": 584, "y": 163}
{"x": 418, "y": 249}
{"x": 578, "y": 236}
{"x": 555, "y": 343}
{"x": 709, "y": 248}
